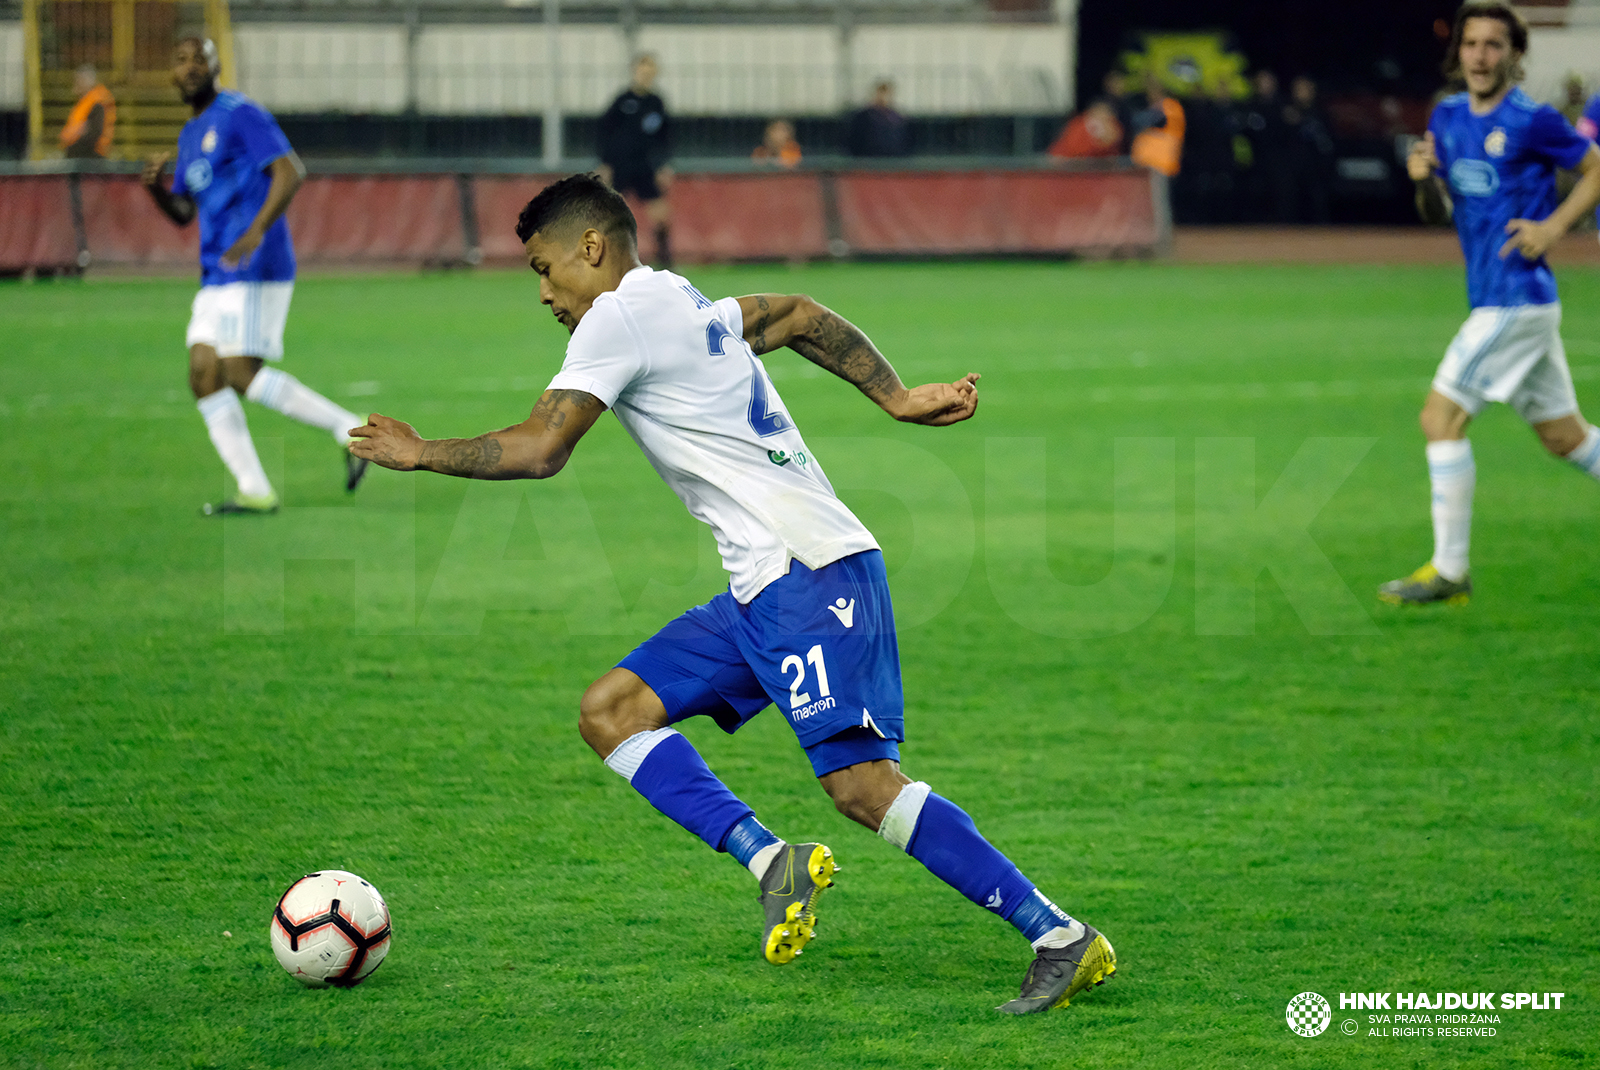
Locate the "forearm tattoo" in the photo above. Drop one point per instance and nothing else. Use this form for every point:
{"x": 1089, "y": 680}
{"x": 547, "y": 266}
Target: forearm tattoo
{"x": 831, "y": 342}
{"x": 759, "y": 342}
{"x": 475, "y": 458}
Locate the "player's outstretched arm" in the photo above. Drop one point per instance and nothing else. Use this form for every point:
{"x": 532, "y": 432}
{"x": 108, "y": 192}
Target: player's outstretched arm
{"x": 179, "y": 209}
{"x": 828, "y": 340}
{"x": 537, "y": 448}
{"x": 1534, "y": 238}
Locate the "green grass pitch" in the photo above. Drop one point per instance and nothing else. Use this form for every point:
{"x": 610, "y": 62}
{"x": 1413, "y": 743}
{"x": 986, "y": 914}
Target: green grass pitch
{"x": 1251, "y": 797}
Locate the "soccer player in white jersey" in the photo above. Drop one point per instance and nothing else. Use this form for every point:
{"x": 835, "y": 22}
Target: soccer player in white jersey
{"x": 806, "y": 623}
{"x": 1488, "y": 161}
{"x": 236, "y": 171}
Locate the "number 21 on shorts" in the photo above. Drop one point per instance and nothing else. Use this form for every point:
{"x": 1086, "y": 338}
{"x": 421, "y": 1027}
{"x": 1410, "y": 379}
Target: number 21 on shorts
{"x": 798, "y": 698}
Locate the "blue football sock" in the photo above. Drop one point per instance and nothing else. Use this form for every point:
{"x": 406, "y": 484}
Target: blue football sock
{"x": 748, "y": 837}
{"x": 948, "y": 843}
{"x": 676, "y": 781}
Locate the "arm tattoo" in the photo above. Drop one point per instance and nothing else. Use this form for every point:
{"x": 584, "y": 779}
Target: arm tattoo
{"x": 834, "y": 343}
{"x": 475, "y": 458}
{"x": 759, "y": 342}
{"x": 553, "y": 409}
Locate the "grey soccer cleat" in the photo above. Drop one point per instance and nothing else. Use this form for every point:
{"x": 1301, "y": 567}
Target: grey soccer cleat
{"x": 247, "y": 504}
{"x": 355, "y": 470}
{"x": 1426, "y": 585}
{"x": 794, "y": 881}
{"x": 1059, "y": 973}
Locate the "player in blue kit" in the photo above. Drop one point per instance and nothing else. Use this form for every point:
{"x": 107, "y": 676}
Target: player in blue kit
{"x": 1589, "y": 126}
{"x": 236, "y": 171}
{"x": 806, "y": 622}
{"x": 1488, "y": 161}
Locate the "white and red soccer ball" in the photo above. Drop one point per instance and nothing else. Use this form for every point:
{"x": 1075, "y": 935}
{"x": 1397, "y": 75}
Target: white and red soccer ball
{"x": 330, "y": 928}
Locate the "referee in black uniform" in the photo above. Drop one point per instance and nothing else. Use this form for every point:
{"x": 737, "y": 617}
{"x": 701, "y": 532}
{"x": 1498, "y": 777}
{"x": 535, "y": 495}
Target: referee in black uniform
{"x": 635, "y": 145}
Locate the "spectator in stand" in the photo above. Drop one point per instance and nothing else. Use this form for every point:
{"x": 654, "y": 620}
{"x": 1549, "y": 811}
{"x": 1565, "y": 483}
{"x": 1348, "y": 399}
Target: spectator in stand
{"x": 1158, "y": 144}
{"x": 87, "y": 135}
{"x": 1572, "y": 107}
{"x": 1092, "y": 132}
{"x": 1271, "y": 185}
{"x": 877, "y": 129}
{"x": 1114, "y": 91}
{"x": 778, "y": 145}
{"x": 635, "y": 139}
{"x": 1210, "y": 158}
{"x": 1311, "y": 152}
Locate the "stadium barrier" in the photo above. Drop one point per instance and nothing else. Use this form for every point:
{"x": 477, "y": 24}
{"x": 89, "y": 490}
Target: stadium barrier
{"x": 70, "y": 221}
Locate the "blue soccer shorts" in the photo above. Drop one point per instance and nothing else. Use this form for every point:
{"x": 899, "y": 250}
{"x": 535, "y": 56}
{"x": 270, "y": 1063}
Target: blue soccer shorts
{"x": 820, "y": 645}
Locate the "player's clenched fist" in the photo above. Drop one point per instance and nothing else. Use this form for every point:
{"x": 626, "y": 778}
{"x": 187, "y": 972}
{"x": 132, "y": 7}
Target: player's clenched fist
{"x": 387, "y": 442}
{"x": 1423, "y": 159}
{"x": 938, "y": 404}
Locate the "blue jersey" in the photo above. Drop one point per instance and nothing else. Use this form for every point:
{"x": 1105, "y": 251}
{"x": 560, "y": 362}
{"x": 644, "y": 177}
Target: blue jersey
{"x": 223, "y": 155}
{"x": 1589, "y": 127}
{"x": 1501, "y": 166}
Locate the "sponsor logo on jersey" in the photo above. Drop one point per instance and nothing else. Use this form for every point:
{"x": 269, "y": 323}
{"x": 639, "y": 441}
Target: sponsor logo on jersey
{"x": 845, "y": 613}
{"x": 1474, "y": 178}
{"x": 783, "y": 457}
{"x": 209, "y": 142}
{"x": 1495, "y": 143}
{"x": 197, "y": 176}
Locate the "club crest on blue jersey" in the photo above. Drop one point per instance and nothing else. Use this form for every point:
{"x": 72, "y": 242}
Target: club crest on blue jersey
{"x": 1474, "y": 178}
{"x": 209, "y": 142}
{"x": 1495, "y": 143}
{"x": 197, "y": 176}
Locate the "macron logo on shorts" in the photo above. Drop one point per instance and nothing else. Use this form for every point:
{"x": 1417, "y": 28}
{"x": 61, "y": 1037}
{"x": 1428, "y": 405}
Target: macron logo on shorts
{"x": 845, "y": 613}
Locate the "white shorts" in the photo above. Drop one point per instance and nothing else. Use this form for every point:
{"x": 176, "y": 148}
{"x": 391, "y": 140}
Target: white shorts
{"x": 1512, "y": 355}
{"x": 241, "y": 319}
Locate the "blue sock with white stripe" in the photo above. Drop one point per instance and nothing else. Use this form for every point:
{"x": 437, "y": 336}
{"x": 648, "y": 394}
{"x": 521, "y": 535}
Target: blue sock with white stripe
{"x": 1587, "y": 455}
{"x": 1453, "y": 475}
{"x": 667, "y": 770}
{"x": 940, "y": 835}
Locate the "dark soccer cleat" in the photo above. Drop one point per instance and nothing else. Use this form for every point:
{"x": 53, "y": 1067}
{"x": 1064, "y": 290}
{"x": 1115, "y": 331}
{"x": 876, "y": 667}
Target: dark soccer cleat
{"x": 789, "y": 892}
{"x": 1426, "y": 585}
{"x": 1059, "y": 973}
{"x": 250, "y": 505}
{"x": 355, "y": 470}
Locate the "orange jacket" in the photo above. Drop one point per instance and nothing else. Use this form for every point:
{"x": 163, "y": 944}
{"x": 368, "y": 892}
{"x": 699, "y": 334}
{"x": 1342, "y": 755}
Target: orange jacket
{"x": 1160, "y": 148}
{"x": 80, "y": 117}
{"x": 1095, "y": 132}
{"x": 788, "y": 156}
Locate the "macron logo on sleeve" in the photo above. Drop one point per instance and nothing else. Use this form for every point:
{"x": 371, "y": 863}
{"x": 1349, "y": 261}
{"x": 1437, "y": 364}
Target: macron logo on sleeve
{"x": 845, "y": 613}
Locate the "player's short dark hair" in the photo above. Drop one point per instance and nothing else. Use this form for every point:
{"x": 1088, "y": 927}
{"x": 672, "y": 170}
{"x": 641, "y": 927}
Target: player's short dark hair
{"x": 582, "y": 200}
{"x": 1516, "y": 26}
{"x": 208, "y": 49}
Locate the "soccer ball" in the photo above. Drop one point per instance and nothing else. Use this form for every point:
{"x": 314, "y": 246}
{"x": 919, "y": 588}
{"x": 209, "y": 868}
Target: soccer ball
{"x": 330, "y": 928}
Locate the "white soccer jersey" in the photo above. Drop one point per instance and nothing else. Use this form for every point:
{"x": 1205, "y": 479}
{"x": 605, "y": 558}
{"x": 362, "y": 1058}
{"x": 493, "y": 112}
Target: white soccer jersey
{"x": 676, "y": 371}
